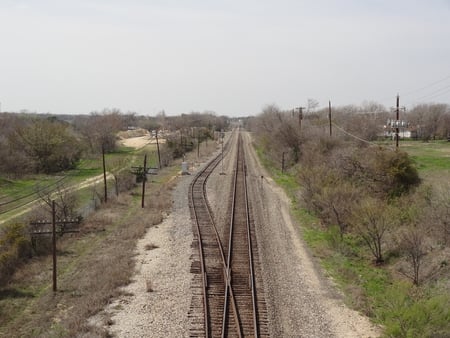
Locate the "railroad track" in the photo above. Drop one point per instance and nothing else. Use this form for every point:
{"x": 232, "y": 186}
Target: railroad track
{"x": 226, "y": 301}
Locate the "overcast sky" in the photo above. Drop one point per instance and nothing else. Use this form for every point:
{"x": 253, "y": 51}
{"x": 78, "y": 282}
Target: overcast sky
{"x": 230, "y": 56}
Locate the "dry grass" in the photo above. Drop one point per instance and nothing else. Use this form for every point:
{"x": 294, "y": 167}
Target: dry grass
{"x": 92, "y": 267}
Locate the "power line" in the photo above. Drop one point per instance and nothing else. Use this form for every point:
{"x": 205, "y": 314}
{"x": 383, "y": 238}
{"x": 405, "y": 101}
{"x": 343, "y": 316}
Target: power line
{"x": 426, "y": 86}
{"x": 436, "y": 93}
{"x": 359, "y": 138}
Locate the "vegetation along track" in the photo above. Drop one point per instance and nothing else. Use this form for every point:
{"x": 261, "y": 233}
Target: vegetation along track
{"x": 226, "y": 302}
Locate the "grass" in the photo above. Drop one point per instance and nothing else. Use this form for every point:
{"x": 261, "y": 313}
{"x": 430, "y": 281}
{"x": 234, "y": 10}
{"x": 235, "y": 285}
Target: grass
{"x": 429, "y": 156}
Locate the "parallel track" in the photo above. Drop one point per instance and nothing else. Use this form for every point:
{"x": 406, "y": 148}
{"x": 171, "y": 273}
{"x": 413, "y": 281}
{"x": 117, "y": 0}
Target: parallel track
{"x": 225, "y": 273}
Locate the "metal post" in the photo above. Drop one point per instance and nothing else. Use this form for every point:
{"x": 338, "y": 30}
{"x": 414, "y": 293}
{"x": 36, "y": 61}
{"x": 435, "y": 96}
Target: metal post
{"x": 54, "y": 243}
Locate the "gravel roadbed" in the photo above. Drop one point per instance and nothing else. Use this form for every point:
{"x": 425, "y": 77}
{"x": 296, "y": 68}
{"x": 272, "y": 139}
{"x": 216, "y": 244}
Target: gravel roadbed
{"x": 301, "y": 301}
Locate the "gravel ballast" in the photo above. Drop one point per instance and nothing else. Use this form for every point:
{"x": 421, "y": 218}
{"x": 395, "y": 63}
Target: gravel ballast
{"x": 301, "y": 302}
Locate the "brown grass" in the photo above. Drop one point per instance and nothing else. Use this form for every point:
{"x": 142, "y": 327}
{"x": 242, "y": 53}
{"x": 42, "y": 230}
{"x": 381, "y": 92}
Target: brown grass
{"x": 92, "y": 266}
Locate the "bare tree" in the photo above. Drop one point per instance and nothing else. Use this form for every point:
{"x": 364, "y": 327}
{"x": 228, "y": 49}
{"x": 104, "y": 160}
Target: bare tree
{"x": 428, "y": 119}
{"x": 312, "y": 105}
{"x": 123, "y": 179}
{"x": 65, "y": 198}
{"x": 372, "y": 220}
{"x": 413, "y": 246}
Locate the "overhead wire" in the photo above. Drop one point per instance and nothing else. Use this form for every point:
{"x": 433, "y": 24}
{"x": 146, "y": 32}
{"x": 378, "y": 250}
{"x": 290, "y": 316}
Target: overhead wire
{"x": 359, "y": 138}
{"x": 14, "y": 207}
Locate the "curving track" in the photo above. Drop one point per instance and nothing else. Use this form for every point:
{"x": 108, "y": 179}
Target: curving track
{"x": 225, "y": 302}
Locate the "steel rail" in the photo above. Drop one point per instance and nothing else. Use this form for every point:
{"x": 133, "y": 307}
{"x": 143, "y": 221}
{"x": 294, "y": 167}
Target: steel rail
{"x": 250, "y": 254}
{"x": 206, "y": 172}
{"x": 228, "y": 262}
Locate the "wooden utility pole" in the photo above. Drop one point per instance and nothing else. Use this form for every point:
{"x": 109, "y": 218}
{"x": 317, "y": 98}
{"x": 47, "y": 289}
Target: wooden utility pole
{"x": 157, "y": 147}
{"x": 300, "y": 116}
{"x": 104, "y": 173}
{"x": 143, "y": 181}
{"x": 221, "y": 171}
{"x": 397, "y": 122}
{"x": 54, "y": 243}
{"x": 198, "y": 143}
{"x": 329, "y": 116}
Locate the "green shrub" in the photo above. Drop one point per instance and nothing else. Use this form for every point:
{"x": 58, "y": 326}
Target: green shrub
{"x": 406, "y": 312}
{"x": 15, "y": 247}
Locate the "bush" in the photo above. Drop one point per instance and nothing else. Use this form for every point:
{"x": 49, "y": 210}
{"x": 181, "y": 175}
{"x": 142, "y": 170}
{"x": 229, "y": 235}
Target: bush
{"x": 407, "y": 313}
{"x": 15, "y": 247}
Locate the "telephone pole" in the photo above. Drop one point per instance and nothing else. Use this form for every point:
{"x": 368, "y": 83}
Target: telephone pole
{"x": 144, "y": 179}
{"x": 54, "y": 244}
{"x": 397, "y": 122}
{"x": 104, "y": 173}
{"x": 300, "y": 116}
{"x": 329, "y": 116}
{"x": 157, "y": 147}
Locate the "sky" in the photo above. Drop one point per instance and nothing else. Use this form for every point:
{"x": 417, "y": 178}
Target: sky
{"x": 232, "y": 57}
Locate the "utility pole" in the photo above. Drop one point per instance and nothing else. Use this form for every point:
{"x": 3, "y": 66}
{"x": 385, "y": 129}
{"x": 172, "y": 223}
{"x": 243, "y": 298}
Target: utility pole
{"x": 104, "y": 173}
{"x": 329, "y": 116}
{"x": 157, "y": 147}
{"x": 54, "y": 243}
{"x": 300, "y": 116}
{"x": 198, "y": 143}
{"x": 397, "y": 118}
{"x": 143, "y": 181}
{"x": 48, "y": 227}
{"x": 181, "y": 143}
{"x": 282, "y": 162}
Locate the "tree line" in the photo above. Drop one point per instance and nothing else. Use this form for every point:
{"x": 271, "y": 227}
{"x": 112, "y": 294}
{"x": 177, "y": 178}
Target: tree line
{"x": 373, "y": 215}
{"x": 48, "y": 144}
{"x": 51, "y": 144}
{"x": 366, "y": 191}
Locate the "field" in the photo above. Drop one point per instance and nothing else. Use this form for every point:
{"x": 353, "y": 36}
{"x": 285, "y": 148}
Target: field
{"x": 21, "y": 195}
{"x": 431, "y": 158}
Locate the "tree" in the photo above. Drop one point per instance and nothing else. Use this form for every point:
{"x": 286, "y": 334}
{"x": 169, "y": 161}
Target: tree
{"x": 413, "y": 247}
{"x": 123, "y": 179}
{"x": 312, "y": 105}
{"x": 428, "y": 119}
{"x": 66, "y": 200}
{"x": 49, "y": 144}
{"x": 100, "y": 129}
{"x": 372, "y": 220}
{"x": 384, "y": 172}
{"x": 336, "y": 202}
